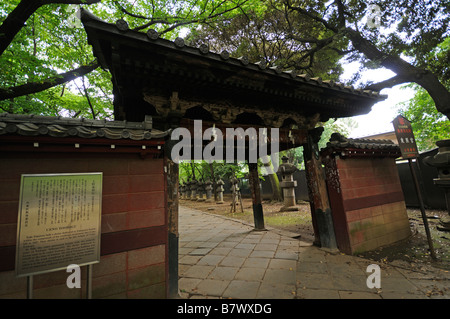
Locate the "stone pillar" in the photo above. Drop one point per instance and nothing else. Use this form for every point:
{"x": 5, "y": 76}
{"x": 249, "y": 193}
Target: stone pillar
{"x": 442, "y": 162}
{"x": 288, "y": 184}
{"x": 219, "y": 191}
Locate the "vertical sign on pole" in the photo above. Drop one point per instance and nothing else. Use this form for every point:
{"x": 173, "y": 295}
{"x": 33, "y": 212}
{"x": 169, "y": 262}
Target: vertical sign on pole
{"x": 408, "y": 148}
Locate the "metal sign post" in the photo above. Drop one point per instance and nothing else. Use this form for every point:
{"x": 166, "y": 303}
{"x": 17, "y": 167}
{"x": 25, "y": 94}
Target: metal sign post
{"x": 408, "y": 148}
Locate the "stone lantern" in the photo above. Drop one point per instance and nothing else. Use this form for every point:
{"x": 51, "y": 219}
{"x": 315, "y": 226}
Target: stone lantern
{"x": 208, "y": 190}
{"x": 181, "y": 189}
{"x": 187, "y": 190}
{"x": 234, "y": 189}
{"x": 220, "y": 191}
{"x": 200, "y": 191}
{"x": 442, "y": 162}
{"x": 288, "y": 184}
{"x": 193, "y": 189}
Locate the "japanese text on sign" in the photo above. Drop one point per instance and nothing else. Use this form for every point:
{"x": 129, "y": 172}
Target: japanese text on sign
{"x": 405, "y": 137}
{"x": 59, "y": 221}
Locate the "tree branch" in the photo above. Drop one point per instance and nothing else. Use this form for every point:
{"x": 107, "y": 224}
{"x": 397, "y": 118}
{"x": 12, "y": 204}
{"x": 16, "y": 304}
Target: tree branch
{"x": 15, "y": 21}
{"x": 395, "y": 80}
{"x": 36, "y": 87}
{"x": 314, "y": 17}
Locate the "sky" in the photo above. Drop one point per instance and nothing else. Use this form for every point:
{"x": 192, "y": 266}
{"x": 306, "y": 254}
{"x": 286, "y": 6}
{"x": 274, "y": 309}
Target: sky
{"x": 379, "y": 120}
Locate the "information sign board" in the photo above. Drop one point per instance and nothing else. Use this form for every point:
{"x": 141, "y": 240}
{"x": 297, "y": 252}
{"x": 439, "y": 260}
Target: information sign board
{"x": 59, "y": 222}
{"x": 405, "y": 137}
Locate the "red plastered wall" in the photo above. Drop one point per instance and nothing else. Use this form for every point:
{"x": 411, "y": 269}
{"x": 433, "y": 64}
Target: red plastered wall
{"x": 134, "y": 225}
{"x": 367, "y": 203}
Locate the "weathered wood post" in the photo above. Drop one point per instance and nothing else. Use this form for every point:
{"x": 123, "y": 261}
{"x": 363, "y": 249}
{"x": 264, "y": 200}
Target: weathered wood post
{"x": 318, "y": 194}
{"x": 172, "y": 185}
{"x": 253, "y": 178}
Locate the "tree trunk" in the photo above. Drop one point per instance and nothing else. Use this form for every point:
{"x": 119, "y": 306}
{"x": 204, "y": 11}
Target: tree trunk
{"x": 273, "y": 178}
{"x": 15, "y": 21}
{"x": 405, "y": 72}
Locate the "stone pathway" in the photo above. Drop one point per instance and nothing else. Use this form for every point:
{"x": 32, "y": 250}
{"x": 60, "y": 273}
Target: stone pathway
{"x": 225, "y": 258}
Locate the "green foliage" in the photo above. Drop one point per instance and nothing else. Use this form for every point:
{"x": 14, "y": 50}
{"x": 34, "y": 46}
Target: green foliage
{"x": 49, "y": 45}
{"x": 45, "y": 46}
{"x": 202, "y": 170}
{"x": 428, "y": 124}
{"x": 265, "y": 33}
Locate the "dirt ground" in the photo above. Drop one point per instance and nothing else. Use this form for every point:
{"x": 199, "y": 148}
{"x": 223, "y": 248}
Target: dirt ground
{"x": 413, "y": 252}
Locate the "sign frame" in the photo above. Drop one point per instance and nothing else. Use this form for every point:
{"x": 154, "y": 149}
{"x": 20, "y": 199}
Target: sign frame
{"x": 405, "y": 137}
{"x": 91, "y": 211}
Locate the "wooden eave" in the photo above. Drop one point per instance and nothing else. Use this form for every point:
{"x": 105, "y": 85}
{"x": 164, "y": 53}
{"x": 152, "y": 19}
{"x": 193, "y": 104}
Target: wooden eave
{"x": 156, "y": 66}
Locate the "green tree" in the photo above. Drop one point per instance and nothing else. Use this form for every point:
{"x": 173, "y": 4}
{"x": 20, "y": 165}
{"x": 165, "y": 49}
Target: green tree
{"x": 396, "y": 35}
{"x": 428, "y": 124}
{"x": 41, "y": 53}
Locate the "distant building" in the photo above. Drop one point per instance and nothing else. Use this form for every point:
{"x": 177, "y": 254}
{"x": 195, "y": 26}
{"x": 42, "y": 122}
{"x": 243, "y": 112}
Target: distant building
{"x": 383, "y": 136}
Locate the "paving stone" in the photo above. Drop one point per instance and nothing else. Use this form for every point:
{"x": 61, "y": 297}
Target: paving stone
{"x": 240, "y": 252}
{"x": 245, "y": 246}
{"x": 211, "y": 260}
{"x": 212, "y": 287}
{"x": 221, "y": 258}
{"x": 197, "y": 271}
{"x": 240, "y": 289}
{"x": 314, "y": 280}
{"x": 256, "y": 263}
{"x": 283, "y": 276}
{"x": 223, "y": 251}
{"x": 283, "y": 264}
{"x": 312, "y": 267}
{"x": 268, "y": 247}
{"x": 262, "y": 253}
{"x": 250, "y": 274}
{"x": 317, "y": 293}
{"x": 286, "y": 254}
{"x": 276, "y": 291}
{"x": 232, "y": 261}
{"x": 223, "y": 273}
{"x": 188, "y": 284}
{"x": 189, "y": 260}
{"x": 358, "y": 295}
{"x": 265, "y": 240}
{"x": 200, "y": 251}
{"x": 350, "y": 283}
